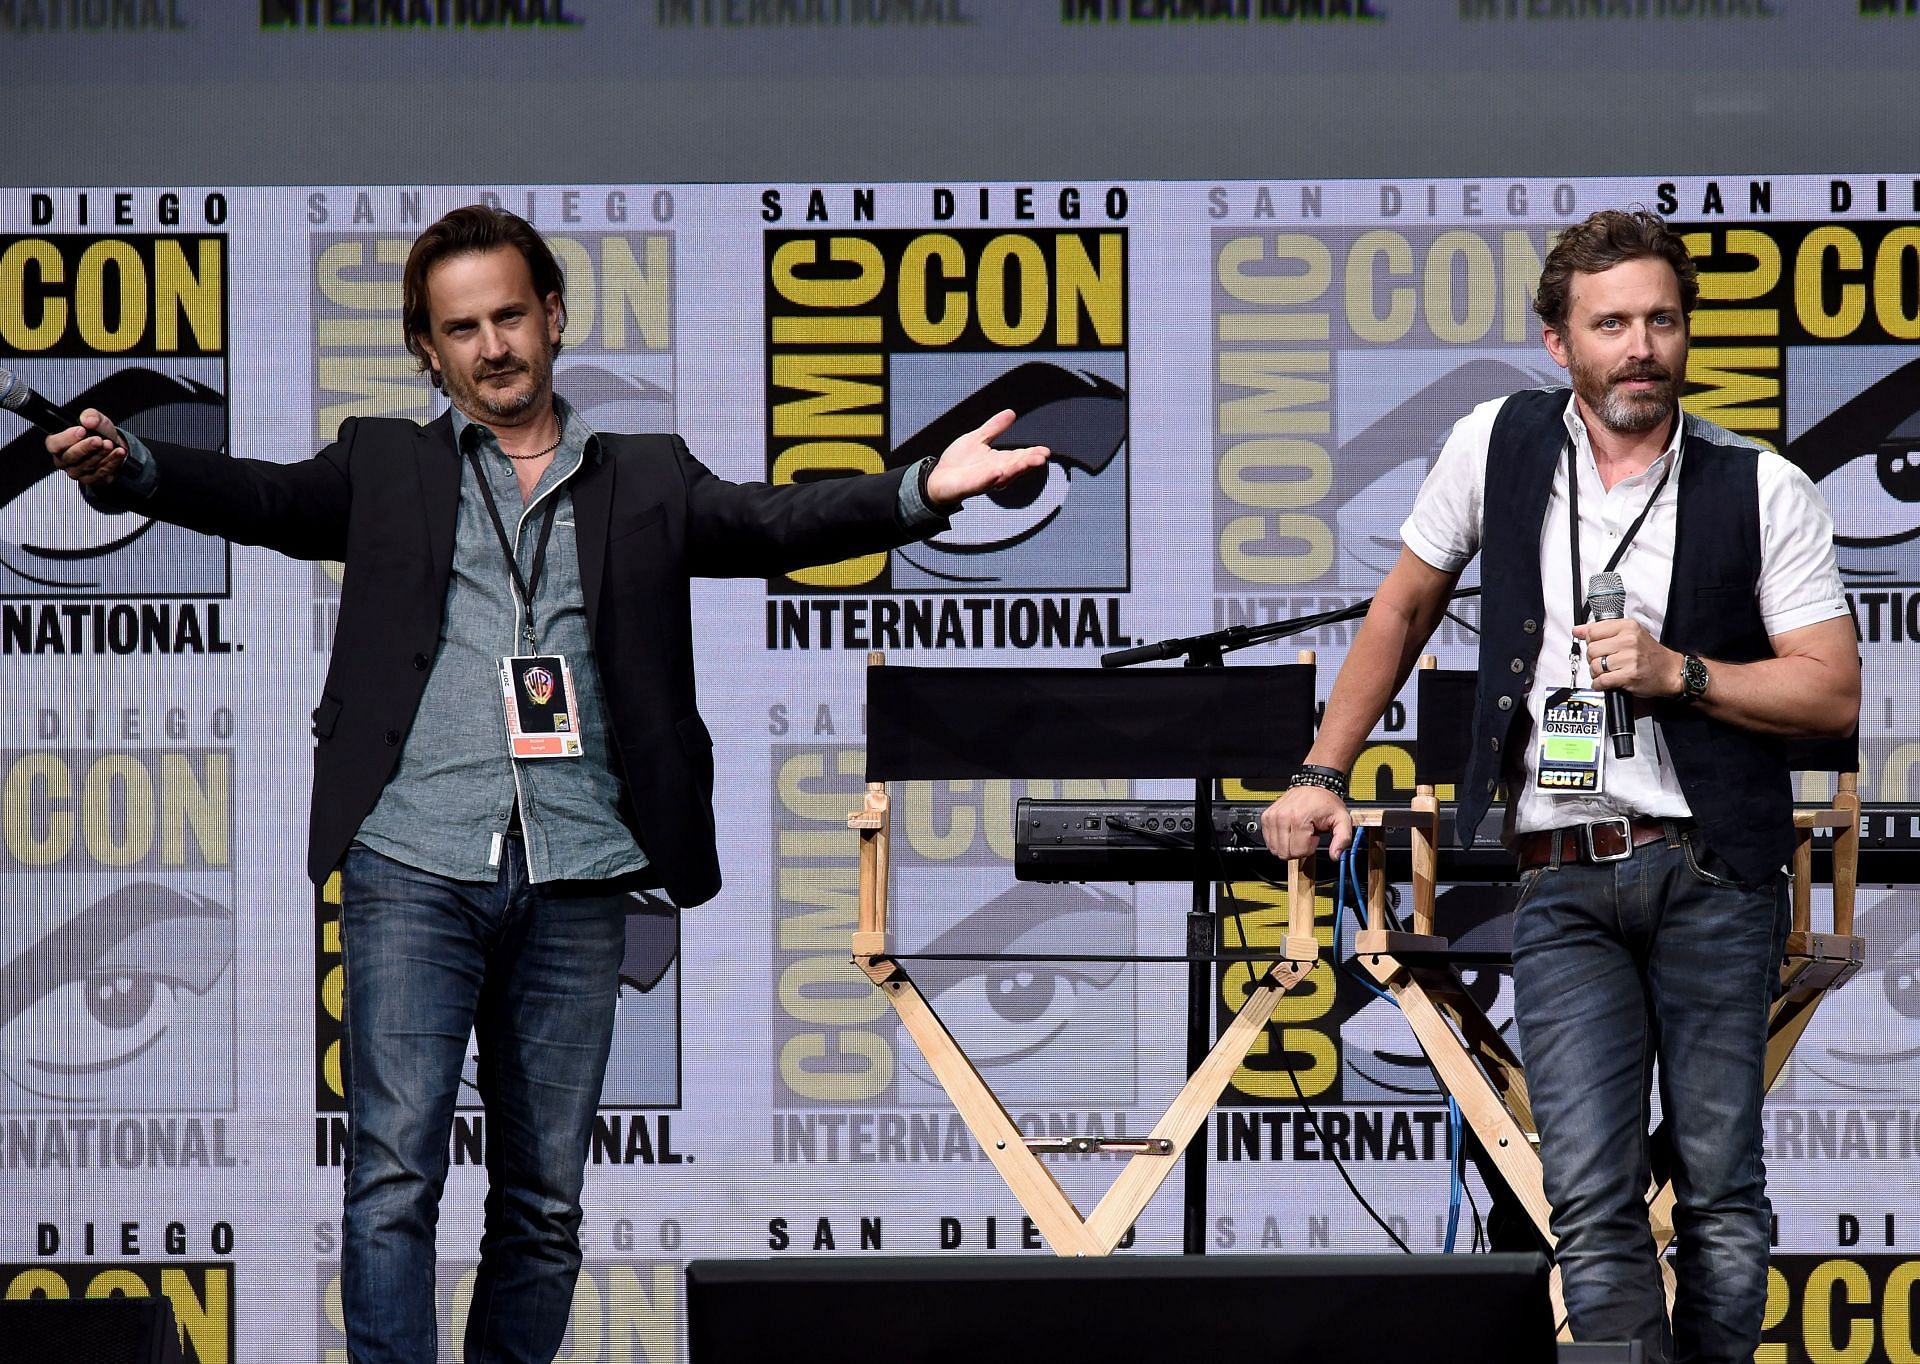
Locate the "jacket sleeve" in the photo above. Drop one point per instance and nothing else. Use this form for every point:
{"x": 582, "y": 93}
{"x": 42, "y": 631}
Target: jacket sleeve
{"x": 752, "y": 530}
{"x": 297, "y": 509}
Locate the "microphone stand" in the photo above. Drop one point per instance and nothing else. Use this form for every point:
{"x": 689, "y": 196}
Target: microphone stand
{"x": 1203, "y": 929}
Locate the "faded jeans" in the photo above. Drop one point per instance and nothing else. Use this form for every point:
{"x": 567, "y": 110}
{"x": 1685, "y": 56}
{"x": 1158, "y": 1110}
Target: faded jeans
{"x": 532, "y": 970}
{"x": 1660, "y": 955}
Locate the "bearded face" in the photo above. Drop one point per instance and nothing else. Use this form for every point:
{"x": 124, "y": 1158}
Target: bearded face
{"x": 1634, "y": 396}
{"x": 493, "y": 338}
{"x": 1624, "y": 344}
{"x": 500, "y": 389}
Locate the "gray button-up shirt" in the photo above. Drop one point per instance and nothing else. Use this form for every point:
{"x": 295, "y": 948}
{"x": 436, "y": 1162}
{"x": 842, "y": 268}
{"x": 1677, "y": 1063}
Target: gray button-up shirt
{"x": 452, "y": 796}
{"x": 454, "y": 791}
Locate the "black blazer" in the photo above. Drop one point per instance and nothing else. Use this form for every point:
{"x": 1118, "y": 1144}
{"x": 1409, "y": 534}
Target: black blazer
{"x": 648, "y": 517}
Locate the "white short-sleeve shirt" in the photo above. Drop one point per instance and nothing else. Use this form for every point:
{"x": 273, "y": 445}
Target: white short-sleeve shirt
{"x": 1799, "y": 583}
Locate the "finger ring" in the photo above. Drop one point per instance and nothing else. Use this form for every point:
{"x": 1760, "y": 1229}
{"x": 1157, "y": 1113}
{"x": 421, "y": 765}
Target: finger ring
{"x": 1602, "y": 662}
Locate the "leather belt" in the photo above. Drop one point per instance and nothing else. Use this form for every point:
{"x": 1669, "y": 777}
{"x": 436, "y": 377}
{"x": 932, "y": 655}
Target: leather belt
{"x": 1604, "y": 840}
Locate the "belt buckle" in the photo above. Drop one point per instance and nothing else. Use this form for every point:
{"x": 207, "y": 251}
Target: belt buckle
{"x": 1599, "y": 839}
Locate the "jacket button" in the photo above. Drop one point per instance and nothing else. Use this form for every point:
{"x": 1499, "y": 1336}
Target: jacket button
{"x": 419, "y": 663}
{"x": 1506, "y": 703}
{"x": 393, "y": 738}
{"x": 1496, "y": 744}
{"x": 1518, "y": 665}
{"x": 1491, "y": 783}
{"x": 1531, "y": 626}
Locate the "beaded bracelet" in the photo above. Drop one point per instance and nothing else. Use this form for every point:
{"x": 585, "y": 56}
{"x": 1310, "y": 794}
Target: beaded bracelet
{"x": 1326, "y": 778}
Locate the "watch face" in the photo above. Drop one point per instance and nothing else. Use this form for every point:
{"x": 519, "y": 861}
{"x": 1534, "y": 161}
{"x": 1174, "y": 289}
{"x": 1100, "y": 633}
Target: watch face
{"x": 1694, "y": 678}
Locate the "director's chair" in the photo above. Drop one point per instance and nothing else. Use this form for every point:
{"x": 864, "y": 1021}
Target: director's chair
{"x": 988, "y": 723}
{"x": 1474, "y": 1063}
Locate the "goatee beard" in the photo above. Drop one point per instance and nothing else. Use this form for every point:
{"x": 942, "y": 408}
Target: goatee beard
{"x": 1630, "y": 414}
{"x": 503, "y": 408}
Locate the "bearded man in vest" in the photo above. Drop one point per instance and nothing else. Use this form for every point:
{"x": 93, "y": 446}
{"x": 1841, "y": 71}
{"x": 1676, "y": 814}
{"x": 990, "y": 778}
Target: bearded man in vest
{"x": 1652, "y": 908}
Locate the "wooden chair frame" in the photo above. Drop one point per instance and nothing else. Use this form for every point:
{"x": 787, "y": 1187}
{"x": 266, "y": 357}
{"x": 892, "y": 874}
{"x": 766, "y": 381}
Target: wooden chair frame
{"x": 1017, "y": 1157}
{"x": 1481, "y": 1072}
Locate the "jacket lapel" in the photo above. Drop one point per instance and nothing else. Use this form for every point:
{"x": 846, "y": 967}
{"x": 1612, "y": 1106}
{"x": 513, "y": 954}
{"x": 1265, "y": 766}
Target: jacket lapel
{"x": 439, "y": 467}
{"x": 592, "y": 489}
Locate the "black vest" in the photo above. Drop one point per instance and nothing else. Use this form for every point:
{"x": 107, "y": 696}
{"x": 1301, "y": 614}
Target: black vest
{"x": 1735, "y": 781}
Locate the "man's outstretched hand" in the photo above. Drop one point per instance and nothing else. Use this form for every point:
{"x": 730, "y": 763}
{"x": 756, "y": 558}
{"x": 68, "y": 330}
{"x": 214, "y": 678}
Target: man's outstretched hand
{"x": 91, "y": 452}
{"x": 972, "y": 465}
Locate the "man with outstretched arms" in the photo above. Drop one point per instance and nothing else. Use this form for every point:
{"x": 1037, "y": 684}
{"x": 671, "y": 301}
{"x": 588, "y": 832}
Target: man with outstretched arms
{"x": 508, "y": 744}
{"x": 1652, "y": 906}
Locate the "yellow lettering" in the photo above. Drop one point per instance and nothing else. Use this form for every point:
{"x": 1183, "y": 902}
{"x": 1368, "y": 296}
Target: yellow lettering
{"x": 13, "y": 287}
{"x": 90, "y": 295}
{"x": 180, "y": 289}
{"x": 934, "y": 253}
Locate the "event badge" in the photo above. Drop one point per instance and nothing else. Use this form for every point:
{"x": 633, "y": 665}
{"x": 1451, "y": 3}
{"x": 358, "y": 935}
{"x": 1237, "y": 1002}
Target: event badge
{"x": 543, "y": 719}
{"x": 1572, "y": 746}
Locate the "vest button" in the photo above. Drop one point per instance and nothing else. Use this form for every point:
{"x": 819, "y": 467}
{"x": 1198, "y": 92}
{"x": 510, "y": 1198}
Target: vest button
{"x": 393, "y": 738}
{"x": 1518, "y": 665}
{"x": 1496, "y": 744}
{"x": 1531, "y": 626}
{"x": 1506, "y": 703}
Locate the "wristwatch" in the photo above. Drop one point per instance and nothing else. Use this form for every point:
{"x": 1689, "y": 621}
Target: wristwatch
{"x": 1693, "y": 678}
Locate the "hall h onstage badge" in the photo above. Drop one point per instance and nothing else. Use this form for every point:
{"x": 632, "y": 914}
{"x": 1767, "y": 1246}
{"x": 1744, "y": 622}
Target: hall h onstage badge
{"x": 1572, "y": 748}
{"x": 543, "y": 719}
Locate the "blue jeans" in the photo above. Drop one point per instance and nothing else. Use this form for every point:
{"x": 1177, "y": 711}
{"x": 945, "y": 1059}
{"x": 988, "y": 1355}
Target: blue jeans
{"x": 533, "y": 972}
{"x": 1662, "y": 954}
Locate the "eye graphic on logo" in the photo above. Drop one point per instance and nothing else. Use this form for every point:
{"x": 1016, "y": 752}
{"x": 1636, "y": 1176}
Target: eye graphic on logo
{"x": 539, "y": 685}
{"x": 1379, "y": 471}
{"x": 613, "y": 401}
{"x": 49, "y": 535}
{"x": 105, "y": 987}
{"x": 1866, "y": 1045}
{"x": 1378, "y": 1050}
{"x": 653, "y": 941}
{"x": 1865, "y": 457}
{"x": 1081, "y": 418}
{"x": 1006, "y": 1012}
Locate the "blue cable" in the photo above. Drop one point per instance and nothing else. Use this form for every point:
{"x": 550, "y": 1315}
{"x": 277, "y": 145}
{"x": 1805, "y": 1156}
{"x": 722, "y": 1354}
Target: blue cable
{"x": 1350, "y": 870}
{"x": 1456, "y": 1177}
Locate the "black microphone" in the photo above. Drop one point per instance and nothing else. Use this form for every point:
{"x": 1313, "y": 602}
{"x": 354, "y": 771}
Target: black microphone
{"x": 1607, "y": 600}
{"x": 16, "y": 397}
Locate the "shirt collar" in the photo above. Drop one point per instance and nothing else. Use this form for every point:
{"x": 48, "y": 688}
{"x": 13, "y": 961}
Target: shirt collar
{"x": 1583, "y": 443}
{"x": 575, "y": 433}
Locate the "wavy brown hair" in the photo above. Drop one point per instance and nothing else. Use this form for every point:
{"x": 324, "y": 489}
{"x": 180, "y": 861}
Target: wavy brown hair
{"x": 465, "y": 231}
{"x": 1602, "y": 241}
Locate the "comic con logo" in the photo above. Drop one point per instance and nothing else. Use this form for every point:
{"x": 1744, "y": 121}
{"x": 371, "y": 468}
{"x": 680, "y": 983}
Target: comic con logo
{"x": 989, "y": 955}
{"x": 1320, "y": 443}
{"x": 116, "y": 993}
{"x": 201, "y": 1294}
{"x": 1827, "y": 317}
{"x": 884, "y": 345}
{"x": 135, "y": 325}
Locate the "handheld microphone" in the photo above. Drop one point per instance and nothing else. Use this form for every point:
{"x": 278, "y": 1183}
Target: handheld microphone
{"x": 16, "y": 397}
{"x": 1607, "y": 600}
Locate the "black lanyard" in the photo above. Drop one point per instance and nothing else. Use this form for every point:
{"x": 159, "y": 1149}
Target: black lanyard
{"x": 525, "y": 585}
{"x": 1573, "y": 529}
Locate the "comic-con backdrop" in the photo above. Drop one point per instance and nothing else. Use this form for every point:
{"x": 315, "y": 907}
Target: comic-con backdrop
{"x": 1244, "y": 382}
